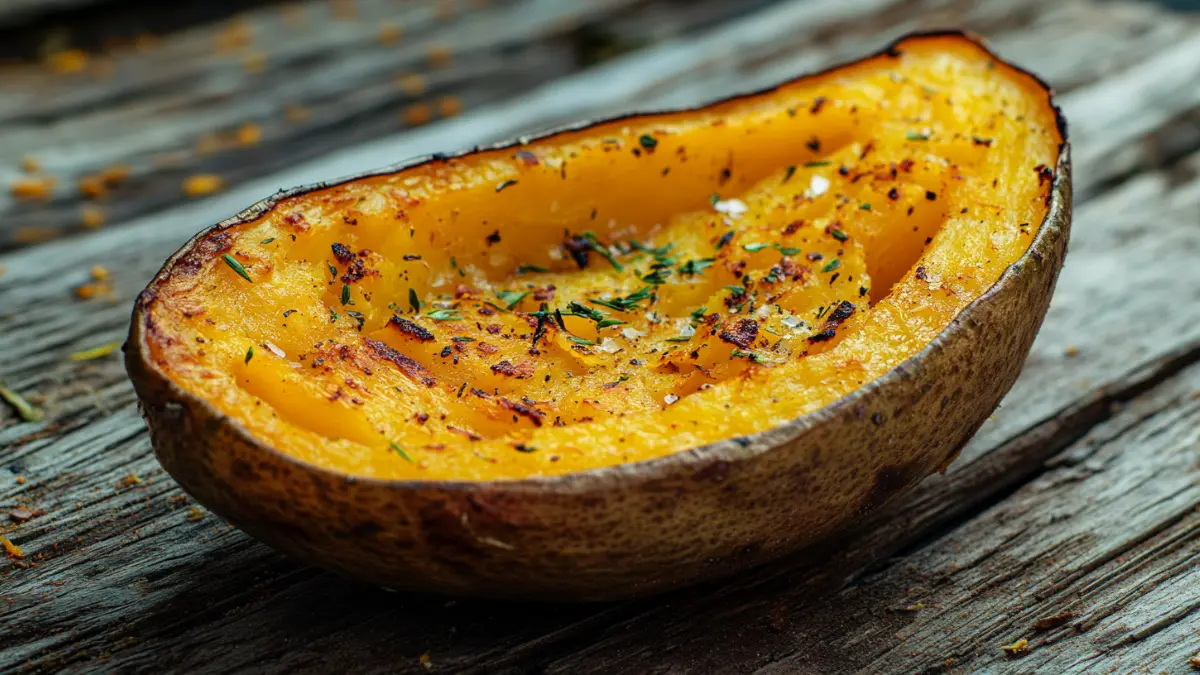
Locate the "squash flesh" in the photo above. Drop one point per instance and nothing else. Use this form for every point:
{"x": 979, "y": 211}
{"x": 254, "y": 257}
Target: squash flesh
{"x": 319, "y": 388}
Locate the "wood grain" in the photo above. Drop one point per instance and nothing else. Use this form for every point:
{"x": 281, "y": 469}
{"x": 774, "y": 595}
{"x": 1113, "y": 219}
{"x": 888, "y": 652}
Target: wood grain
{"x": 358, "y": 71}
{"x": 1078, "y": 496}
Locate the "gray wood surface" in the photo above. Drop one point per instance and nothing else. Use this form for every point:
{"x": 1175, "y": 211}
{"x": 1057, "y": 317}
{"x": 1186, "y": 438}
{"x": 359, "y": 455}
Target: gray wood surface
{"x": 1076, "y": 505}
{"x": 175, "y": 110}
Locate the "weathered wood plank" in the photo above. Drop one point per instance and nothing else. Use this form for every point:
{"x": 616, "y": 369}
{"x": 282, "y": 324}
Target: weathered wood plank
{"x": 177, "y": 110}
{"x": 140, "y": 567}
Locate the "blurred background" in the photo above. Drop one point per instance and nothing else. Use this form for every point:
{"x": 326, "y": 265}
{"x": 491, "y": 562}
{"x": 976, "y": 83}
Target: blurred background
{"x": 112, "y": 110}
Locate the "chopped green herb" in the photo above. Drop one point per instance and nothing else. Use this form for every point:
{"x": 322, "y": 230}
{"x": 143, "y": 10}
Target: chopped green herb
{"x": 724, "y": 240}
{"x": 603, "y": 251}
{"x": 916, "y": 136}
{"x": 266, "y": 241}
{"x": 462, "y": 389}
{"x": 579, "y": 340}
{"x": 833, "y": 265}
{"x": 579, "y": 309}
{"x": 864, "y": 207}
{"x": 237, "y": 267}
{"x": 657, "y": 277}
{"x": 96, "y": 352}
{"x": 454, "y": 266}
{"x": 462, "y": 338}
{"x": 737, "y": 353}
{"x": 648, "y": 142}
{"x": 346, "y": 294}
{"x": 357, "y": 316}
{"x": 714, "y": 198}
{"x": 786, "y": 250}
{"x": 839, "y": 235}
{"x": 696, "y": 266}
{"x": 736, "y": 290}
{"x": 414, "y": 301}
{"x": 333, "y": 316}
{"x": 511, "y": 298}
{"x": 444, "y": 315}
{"x": 249, "y": 354}
{"x": 819, "y": 162}
{"x": 754, "y": 248}
{"x": 680, "y": 338}
{"x": 332, "y": 272}
{"x": 399, "y": 450}
{"x": 26, "y": 410}
{"x": 525, "y": 269}
{"x": 493, "y": 305}
{"x": 505, "y": 184}
{"x": 625, "y": 304}
{"x": 787, "y": 174}
{"x": 698, "y": 313}
{"x": 605, "y": 323}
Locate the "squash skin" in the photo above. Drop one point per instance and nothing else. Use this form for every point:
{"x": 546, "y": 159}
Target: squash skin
{"x": 626, "y": 530}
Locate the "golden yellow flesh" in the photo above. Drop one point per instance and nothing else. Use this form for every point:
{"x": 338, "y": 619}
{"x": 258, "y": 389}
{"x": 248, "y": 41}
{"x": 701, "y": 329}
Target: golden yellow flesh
{"x": 818, "y": 195}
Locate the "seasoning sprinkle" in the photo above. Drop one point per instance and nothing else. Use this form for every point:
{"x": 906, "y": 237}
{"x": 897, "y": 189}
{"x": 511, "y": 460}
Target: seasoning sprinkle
{"x": 26, "y": 410}
{"x": 511, "y": 298}
{"x": 395, "y": 447}
{"x": 444, "y": 315}
{"x": 95, "y": 352}
{"x": 237, "y": 267}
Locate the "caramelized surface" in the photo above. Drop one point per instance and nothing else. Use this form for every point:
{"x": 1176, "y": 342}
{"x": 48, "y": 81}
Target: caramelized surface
{"x": 623, "y": 292}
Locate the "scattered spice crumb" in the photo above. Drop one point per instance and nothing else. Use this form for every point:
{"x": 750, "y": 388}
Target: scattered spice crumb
{"x": 20, "y": 514}
{"x": 417, "y": 114}
{"x": 1019, "y": 647}
{"x": 99, "y": 272}
{"x": 11, "y": 549}
{"x": 92, "y": 217}
{"x": 93, "y": 187}
{"x": 1194, "y": 662}
{"x": 248, "y": 134}
{"x": 202, "y": 184}
{"x": 426, "y": 661}
{"x": 130, "y": 480}
{"x": 115, "y": 175}
{"x": 195, "y": 513}
{"x": 449, "y": 106}
{"x": 33, "y": 235}
{"x": 255, "y": 62}
{"x": 20, "y": 480}
{"x": 1072, "y": 351}
{"x": 38, "y": 188}
{"x": 295, "y": 113}
{"x": 915, "y": 607}
{"x": 439, "y": 55}
{"x": 30, "y": 164}
{"x": 68, "y": 61}
{"x": 389, "y": 34}
{"x": 234, "y": 36}
{"x": 412, "y": 84}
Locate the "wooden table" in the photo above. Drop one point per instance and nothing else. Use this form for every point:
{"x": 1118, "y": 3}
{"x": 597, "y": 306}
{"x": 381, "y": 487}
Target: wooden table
{"x": 1070, "y": 521}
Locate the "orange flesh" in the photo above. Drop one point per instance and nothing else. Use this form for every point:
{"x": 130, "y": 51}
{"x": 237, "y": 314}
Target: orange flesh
{"x": 862, "y": 165}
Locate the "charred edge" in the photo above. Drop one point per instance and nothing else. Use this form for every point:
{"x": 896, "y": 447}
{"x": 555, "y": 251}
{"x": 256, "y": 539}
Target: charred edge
{"x": 409, "y": 367}
{"x": 411, "y": 329}
{"x": 743, "y": 333}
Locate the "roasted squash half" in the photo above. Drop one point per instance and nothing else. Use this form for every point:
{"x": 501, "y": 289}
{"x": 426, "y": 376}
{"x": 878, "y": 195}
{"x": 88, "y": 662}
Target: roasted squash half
{"x": 625, "y": 355}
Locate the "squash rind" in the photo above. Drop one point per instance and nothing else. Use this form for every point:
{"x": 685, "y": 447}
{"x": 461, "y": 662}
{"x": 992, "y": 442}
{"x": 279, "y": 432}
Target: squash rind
{"x": 626, "y": 530}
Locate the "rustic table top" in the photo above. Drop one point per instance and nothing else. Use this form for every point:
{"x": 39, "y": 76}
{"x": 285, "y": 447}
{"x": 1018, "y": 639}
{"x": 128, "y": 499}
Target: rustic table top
{"x": 1072, "y": 520}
